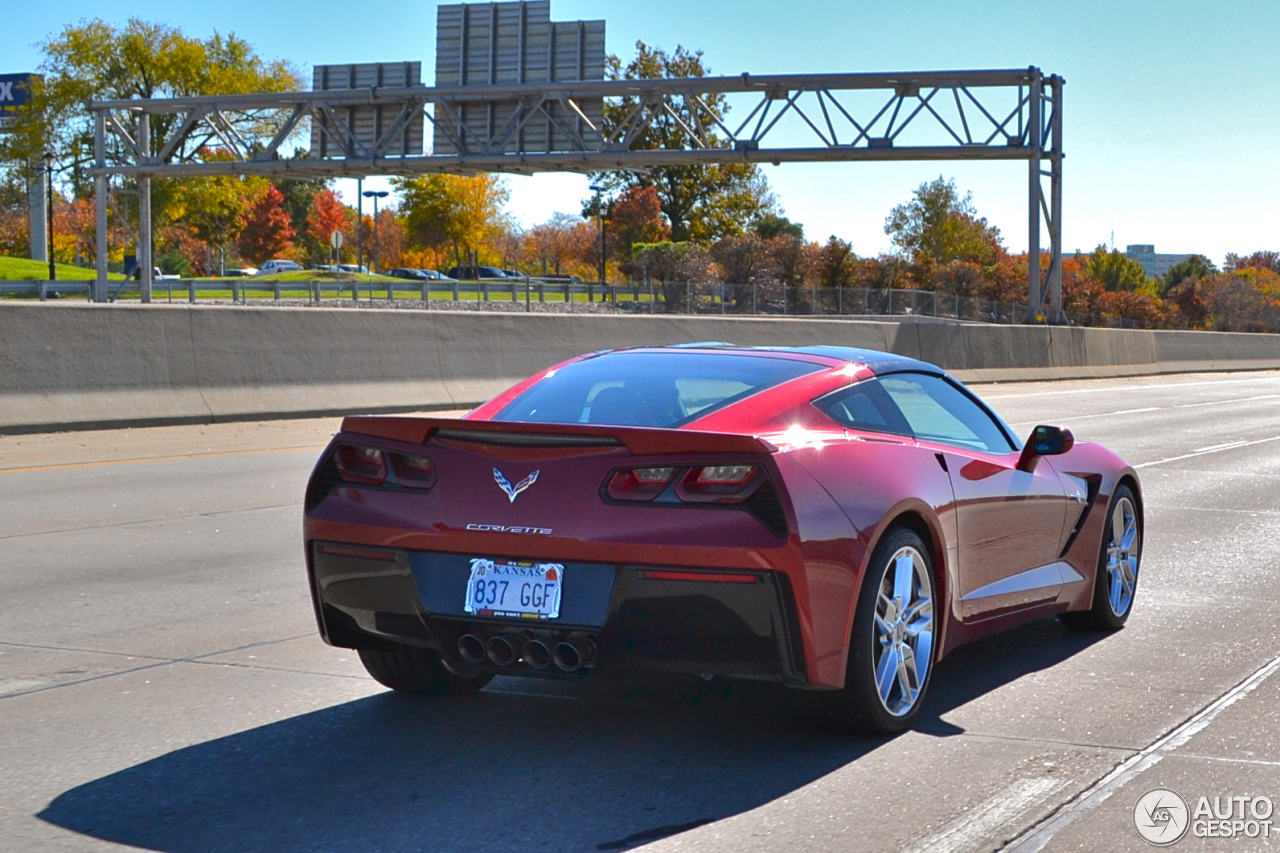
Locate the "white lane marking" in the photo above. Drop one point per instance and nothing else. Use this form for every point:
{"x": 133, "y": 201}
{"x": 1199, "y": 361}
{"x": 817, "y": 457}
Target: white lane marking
{"x": 1224, "y": 446}
{"x": 1207, "y": 451}
{"x": 1236, "y": 400}
{"x": 1103, "y": 415}
{"x": 1034, "y": 839}
{"x": 1164, "y": 386}
{"x": 984, "y": 820}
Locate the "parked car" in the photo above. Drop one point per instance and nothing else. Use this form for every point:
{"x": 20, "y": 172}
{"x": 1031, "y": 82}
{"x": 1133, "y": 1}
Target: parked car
{"x": 275, "y": 267}
{"x": 156, "y": 275}
{"x": 246, "y": 272}
{"x": 407, "y": 272}
{"x": 363, "y": 270}
{"x": 515, "y": 274}
{"x": 473, "y": 273}
{"x": 829, "y": 518}
{"x": 435, "y": 275}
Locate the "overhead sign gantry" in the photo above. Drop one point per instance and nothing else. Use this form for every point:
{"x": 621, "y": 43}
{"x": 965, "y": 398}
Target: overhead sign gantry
{"x": 515, "y": 103}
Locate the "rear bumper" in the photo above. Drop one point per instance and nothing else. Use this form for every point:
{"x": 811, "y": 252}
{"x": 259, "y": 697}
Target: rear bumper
{"x": 367, "y": 597}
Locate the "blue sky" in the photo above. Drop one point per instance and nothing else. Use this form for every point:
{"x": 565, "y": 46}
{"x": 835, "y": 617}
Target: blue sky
{"x": 1172, "y": 108}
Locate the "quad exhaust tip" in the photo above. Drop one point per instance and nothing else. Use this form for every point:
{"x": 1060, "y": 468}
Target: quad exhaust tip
{"x": 471, "y": 648}
{"x": 537, "y": 655}
{"x": 573, "y": 655}
{"x": 501, "y": 649}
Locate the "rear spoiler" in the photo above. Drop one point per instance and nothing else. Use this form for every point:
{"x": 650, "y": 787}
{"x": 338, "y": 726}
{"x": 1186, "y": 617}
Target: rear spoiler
{"x": 641, "y": 441}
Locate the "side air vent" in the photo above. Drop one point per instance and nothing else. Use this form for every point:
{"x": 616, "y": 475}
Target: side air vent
{"x": 525, "y": 439}
{"x": 766, "y": 505}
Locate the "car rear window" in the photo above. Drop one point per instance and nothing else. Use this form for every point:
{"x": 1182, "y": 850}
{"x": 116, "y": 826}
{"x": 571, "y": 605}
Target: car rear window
{"x": 649, "y": 389}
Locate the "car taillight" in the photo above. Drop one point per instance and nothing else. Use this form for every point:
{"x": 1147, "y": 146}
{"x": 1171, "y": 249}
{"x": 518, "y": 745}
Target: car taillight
{"x": 361, "y": 464}
{"x": 413, "y": 472}
{"x": 639, "y": 484}
{"x": 719, "y": 484}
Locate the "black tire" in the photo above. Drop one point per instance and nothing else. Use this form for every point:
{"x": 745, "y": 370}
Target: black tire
{"x": 858, "y": 706}
{"x": 1102, "y": 615}
{"x": 410, "y": 669}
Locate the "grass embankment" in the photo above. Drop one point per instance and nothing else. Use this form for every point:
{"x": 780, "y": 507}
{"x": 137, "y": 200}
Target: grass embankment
{"x": 24, "y": 269}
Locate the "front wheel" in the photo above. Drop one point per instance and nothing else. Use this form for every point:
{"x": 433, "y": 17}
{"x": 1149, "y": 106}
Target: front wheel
{"x": 891, "y": 649}
{"x": 1117, "y": 578}
{"x": 409, "y": 669}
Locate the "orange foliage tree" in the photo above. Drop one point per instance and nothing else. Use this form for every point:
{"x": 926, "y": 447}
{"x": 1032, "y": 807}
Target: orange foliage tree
{"x": 267, "y": 233}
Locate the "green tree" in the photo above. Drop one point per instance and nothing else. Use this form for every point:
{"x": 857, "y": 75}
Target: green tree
{"x": 1117, "y": 271}
{"x": 455, "y": 212}
{"x": 773, "y": 224}
{"x": 939, "y": 226}
{"x": 1196, "y": 266}
{"x": 700, "y": 202}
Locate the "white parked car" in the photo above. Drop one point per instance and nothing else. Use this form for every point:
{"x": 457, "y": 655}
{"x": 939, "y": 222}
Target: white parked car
{"x": 273, "y": 267}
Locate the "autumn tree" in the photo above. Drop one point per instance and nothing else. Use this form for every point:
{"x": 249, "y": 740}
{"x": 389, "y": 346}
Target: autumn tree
{"x": 457, "y": 212}
{"x": 700, "y": 202}
{"x": 327, "y": 215}
{"x": 1257, "y": 260}
{"x": 637, "y": 218}
{"x": 215, "y": 210}
{"x": 267, "y": 230}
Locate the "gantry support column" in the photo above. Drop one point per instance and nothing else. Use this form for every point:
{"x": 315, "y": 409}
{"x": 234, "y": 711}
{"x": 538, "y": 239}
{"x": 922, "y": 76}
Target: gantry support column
{"x": 144, "y": 209}
{"x": 100, "y": 205}
{"x": 1034, "y": 154}
{"x": 1056, "y": 314}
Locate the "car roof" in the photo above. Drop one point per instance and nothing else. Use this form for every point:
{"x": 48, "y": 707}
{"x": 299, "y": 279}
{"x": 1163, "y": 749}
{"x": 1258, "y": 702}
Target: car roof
{"x": 876, "y": 361}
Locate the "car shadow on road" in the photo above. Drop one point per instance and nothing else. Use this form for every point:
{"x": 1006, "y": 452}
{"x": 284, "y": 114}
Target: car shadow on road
{"x": 522, "y": 766}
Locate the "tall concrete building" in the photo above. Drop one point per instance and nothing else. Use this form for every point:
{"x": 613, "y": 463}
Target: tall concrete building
{"x": 1156, "y": 265}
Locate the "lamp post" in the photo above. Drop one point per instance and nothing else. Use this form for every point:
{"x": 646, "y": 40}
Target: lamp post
{"x": 49, "y": 160}
{"x": 375, "y": 195}
{"x": 598, "y": 189}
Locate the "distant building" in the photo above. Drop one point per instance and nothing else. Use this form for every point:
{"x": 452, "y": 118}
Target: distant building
{"x": 1156, "y": 265}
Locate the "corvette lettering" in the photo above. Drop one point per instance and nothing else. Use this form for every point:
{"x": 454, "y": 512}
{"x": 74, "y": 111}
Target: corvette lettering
{"x": 502, "y": 528}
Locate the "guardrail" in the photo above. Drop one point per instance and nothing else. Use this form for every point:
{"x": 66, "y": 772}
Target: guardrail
{"x": 531, "y": 294}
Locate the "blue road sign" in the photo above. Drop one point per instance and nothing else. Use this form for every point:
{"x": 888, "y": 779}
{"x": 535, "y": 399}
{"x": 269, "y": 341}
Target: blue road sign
{"x": 15, "y": 92}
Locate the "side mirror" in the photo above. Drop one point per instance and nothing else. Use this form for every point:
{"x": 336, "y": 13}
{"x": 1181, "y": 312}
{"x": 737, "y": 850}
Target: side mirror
{"x": 1045, "y": 441}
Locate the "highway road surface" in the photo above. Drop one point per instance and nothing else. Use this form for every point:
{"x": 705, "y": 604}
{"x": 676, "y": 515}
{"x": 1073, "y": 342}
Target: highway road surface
{"x": 162, "y": 686}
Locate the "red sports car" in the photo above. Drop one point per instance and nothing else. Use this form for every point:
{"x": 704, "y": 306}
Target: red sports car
{"x": 833, "y": 519}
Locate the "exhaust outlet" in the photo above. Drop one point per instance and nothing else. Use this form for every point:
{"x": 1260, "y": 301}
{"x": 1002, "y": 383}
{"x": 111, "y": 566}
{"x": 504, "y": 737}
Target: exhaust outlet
{"x": 537, "y": 655}
{"x": 470, "y": 648}
{"x": 502, "y": 649}
{"x": 573, "y": 655}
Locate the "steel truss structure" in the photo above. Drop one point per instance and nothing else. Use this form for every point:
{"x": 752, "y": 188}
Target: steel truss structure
{"x": 792, "y": 118}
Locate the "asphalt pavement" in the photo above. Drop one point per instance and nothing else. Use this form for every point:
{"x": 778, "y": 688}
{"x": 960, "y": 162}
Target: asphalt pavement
{"x": 162, "y": 686}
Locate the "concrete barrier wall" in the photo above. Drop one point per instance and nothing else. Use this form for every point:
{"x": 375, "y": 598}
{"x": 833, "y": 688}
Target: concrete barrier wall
{"x": 77, "y": 366}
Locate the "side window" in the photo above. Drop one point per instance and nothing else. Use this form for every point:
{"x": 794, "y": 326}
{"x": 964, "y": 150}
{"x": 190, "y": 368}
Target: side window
{"x": 864, "y": 406}
{"x": 938, "y": 411}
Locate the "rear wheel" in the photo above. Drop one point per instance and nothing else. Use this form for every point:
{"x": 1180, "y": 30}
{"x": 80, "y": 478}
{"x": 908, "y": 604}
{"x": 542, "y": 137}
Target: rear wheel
{"x": 409, "y": 669}
{"x": 1117, "y": 578}
{"x": 891, "y": 649}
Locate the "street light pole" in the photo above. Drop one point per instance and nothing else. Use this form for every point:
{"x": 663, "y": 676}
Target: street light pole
{"x": 49, "y": 160}
{"x": 598, "y": 189}
{"x": 375, "y": 195}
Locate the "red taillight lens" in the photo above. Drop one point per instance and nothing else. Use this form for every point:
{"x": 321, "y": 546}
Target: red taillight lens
{"x": 413, "y": 472}
{"x": 719, "y": 484}
{"x": 639, "y": 484}
{"x": 361, "y": 464}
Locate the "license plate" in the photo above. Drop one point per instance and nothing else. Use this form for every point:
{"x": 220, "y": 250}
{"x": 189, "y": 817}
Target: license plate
{"x": 515, "y": 589}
